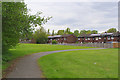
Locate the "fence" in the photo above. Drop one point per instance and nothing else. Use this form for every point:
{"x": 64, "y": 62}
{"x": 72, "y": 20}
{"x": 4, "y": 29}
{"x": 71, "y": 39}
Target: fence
{"x": 103, "y": 45}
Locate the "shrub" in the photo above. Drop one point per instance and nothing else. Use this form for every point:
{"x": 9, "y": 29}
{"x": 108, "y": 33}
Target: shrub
{"x": 54, "y": 42}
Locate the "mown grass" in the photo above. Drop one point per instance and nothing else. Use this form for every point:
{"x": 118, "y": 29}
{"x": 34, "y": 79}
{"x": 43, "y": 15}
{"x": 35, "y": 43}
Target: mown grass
{"x": 81, "y": 64}
{"x": 26, "y": 49}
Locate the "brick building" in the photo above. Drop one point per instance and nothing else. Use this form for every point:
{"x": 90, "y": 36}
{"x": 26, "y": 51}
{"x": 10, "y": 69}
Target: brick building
{"x": 66, "y": 38}
{"x": 99, "y": 38}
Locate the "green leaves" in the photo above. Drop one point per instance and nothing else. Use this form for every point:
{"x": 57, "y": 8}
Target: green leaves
{"x": 17, "y": 23}
{"x": 111, "y": 30}
{"x": 40, "y": 36}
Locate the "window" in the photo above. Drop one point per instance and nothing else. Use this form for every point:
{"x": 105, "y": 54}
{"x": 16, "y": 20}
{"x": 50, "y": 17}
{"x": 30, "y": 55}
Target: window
{"x": 51, "y": 39}
{"x": 58, "y": 39}
{"x": 88, "y": 38}
{"x": 64, "y": 38}
{"x": 96, "y": 38}
{"x": 85, "y": 38}
{"x": 78, "y": 38}
{"x": 112, "y": 37}
{"x": 108, "y": 37}
{"x": 99, "y": 37}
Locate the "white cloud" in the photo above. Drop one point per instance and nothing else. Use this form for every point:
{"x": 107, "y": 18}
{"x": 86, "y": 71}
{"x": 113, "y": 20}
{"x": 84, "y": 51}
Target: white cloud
{"x": 78, "y": 15}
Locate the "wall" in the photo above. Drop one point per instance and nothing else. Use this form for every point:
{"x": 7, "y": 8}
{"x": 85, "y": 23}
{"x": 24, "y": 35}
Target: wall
{"x": 116, "y": 45}
{"x": 102, "y": 45}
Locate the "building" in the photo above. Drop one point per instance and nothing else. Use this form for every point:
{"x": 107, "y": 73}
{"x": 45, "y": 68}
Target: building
{"x": 99, "y": 38}
{"x": 66, "y": 38}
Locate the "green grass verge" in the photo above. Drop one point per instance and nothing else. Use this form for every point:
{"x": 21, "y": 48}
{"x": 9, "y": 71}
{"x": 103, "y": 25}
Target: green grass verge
{"x": 25, "y": 49}
{"x": 81, "y": 64}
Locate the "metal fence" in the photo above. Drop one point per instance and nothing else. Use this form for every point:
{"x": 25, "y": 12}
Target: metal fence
{"x": 102, "y": 45}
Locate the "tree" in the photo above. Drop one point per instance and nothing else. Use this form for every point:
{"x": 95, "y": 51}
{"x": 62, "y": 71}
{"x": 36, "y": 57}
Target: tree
{"x": 88, "y": 32}
{"x": 111, "y": 30}
{"x": 94, "y": 32}
{"x": 60, "y": 32}
{"x": 76, "y": 33}
{"x": 40, "y": 36}
{"x": 83, "y": 32}
{"x": 53, "y": 33}
{"x": 48, "y": 32}
{"x": 17, "y": 23}
{"x": 67, "y": 31}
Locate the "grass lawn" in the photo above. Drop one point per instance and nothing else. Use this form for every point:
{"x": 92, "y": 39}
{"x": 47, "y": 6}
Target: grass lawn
{"x": 81, "y": 64}
{"x": 25, "y": 49}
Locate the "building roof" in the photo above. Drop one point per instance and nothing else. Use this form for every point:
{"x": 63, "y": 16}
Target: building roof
{"x": 55, "y": 36}
{"x": 66, "y": 35}
{"x": 85, "y": 35}
{"x": 93, "y": 35}
{"x": 106, "y": 34}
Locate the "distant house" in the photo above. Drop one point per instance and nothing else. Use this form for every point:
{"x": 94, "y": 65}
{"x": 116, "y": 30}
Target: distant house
{"x": 99, "y": 38}
{"x": 55, "y": 37}
{"x": 66, "y": 38}
{"x": 69, "y": 38}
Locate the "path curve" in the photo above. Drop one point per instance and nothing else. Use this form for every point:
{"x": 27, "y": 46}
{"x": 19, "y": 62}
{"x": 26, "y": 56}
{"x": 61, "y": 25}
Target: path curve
{"x": 27, "y": 66}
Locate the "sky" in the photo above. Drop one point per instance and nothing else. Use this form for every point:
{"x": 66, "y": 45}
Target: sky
{"x": 77, "y": 15}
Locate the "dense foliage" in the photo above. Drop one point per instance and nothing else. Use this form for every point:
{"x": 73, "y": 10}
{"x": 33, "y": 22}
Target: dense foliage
{"x": 54, "y": 42}
{"x": 88, "y": 32}
{"x": 40, "y": 36}
{"x": 111, "y": 30}
{"x": 17, "y": 23}
{"x": 76, "y": 33}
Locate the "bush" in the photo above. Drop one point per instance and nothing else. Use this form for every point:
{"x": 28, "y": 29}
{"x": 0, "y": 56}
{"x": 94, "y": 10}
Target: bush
{"x": 54, "y": 42}
{"x": 40, "y": 36}
{"x": 77, "y": 42}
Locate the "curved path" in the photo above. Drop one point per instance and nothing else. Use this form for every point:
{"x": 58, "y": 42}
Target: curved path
{"x": 27, "y": 66}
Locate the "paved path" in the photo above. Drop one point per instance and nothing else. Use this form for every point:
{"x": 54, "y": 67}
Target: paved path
{"x": 27, "y": 66}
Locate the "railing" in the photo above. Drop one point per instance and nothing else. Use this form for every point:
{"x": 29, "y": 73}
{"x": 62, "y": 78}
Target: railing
{"x": 103, "y": 45}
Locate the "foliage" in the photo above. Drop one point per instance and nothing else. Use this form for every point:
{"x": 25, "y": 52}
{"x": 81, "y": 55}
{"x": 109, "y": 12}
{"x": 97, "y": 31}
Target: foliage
{"x": 111, "y": 30}
{"x": 54, "y": 42}
{"x": 88, "y": 32}
{"x": 53, "y": 33}
{"x": 81, "y": 64}
{"x": 48, "y": 32}
{"x": 17, "y": 23}
{"x": 76, "y": 33}
{"x": 67, "y": 31}
{"x": 60, "y": 32}
{"x": 94, "y": 32}
{"x": 40, "y": 36}
{"x": 83, "y": 32}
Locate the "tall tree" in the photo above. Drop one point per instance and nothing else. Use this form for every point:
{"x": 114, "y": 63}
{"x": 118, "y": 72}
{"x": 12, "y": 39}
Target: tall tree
{"x": 40, "y": 36}
{"x": 67, "y": 31}
{"x": 60, "y": 32}
{"x": 88, "y": 32}
{"x": 48, "y": 32}
{"x": 53, "y": 33}
{"x": 17, "y": 23}
{"x": 76, "y": 33}
{"x": 83, "y": 32}
{"x": 111, "y": 30}
{"x": 94, "y": 32}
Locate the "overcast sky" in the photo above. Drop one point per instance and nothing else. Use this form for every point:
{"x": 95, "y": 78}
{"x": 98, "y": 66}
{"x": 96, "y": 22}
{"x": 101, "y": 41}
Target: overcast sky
{"x": 77, "y": 15}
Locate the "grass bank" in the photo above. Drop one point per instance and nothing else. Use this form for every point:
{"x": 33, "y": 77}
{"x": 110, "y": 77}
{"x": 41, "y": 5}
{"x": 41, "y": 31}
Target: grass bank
{"x": 26, "y": 49}
{"x": 81, "y": 64}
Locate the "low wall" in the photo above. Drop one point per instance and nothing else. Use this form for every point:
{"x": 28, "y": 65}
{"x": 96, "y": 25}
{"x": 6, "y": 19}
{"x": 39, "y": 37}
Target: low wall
{"x": 103, "y": 45}
{"x": 116, "y": 45}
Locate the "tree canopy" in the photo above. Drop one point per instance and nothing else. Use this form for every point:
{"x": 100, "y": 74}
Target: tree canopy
{"x": 40, "y": 36}
{"x": 17, "y": 23}
{"x": 76, "y": 33}
{"x": 111, "y": 30}
{"x": 60, "y": 32}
